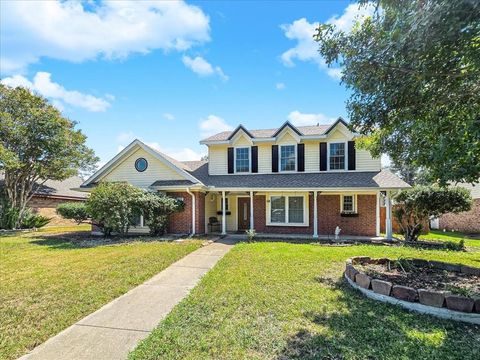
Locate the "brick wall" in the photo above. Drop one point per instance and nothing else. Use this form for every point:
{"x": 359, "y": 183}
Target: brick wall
{"x": 328, "y": 217}
{"x": 466, "y": 221}
{"x": 181, "y": 222}
{"x": 46, "y": 206}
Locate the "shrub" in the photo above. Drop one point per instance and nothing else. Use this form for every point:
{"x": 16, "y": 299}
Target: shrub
{"x": 76, "y": 211}
{"x": 31, "y": 220}
{"x": 417, "y": 204}
{"x": 113, "y": 205}
{"x": 156, "y": 209}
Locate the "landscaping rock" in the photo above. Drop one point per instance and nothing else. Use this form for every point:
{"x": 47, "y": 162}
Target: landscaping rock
{"x": 477, "y": 305}
{"x": 470, "y": 270}
{"x": 444, "y": 266}
{"x": 350, "y": 271}
{"x": 381, "y": 287}
{"x": 459, "y": 303}
{"x": 363, "y": 280}
{"x": 432, "y": 298}
{"x": 404, "y": 293}
{"x": 361, "y": 260}
{"x": 419, "y": 262}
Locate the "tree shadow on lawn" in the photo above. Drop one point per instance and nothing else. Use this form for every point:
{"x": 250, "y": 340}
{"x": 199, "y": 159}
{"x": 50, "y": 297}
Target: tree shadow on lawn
{"x": 373, "y": 330}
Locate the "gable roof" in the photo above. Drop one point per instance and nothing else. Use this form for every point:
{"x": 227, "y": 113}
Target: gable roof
{"x": 181, "y": 168}
{"x": 311, "y": 130}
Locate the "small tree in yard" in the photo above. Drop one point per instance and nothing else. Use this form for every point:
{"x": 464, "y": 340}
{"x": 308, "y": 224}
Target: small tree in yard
{"x": 113, "y": 205}
{"x": 76, "y": 211}
{"x": 156, "y": 208}
{"x": 416, "y": 205}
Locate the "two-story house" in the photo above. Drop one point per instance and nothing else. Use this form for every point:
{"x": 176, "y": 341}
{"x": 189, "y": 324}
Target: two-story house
{"x": 293, "y": 180}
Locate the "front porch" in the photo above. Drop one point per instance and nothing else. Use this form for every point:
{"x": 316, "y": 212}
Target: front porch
{"x": 299, "y": 214}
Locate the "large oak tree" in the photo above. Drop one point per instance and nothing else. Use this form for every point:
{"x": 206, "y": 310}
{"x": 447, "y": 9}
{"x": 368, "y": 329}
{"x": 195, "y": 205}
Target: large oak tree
{"x": 36, "y": 144}
{"x": 413, "y": 69}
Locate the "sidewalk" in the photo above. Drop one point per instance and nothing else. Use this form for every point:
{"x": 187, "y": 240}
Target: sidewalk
{"x": 115, "y": 329}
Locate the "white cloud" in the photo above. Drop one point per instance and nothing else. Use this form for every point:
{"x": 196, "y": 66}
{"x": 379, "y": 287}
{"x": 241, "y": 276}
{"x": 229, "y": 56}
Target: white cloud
{"x": 202, "y": 67}
{"x": 43, "y": 84}
{"x": 303, "y": 119}
{"x": 280, "y": 86}
{"x": 168, "y": 116}
{"x": 212, "y": 125}
{"x": 66, "y": 30}
{"x": 306, "y": 49}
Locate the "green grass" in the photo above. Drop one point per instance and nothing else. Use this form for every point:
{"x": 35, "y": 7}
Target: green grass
{"x": 47, "y": 284}
{"x": 288, "y": 301}
{"x": 438, "y": 235}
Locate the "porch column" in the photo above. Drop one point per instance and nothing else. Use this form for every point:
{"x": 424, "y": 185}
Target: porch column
{"x": 315, "y": 215}
{"x": 224, "y": 222}
{"x": 388, "y": 217}
{"x": 377, "y": 215}
{"x": 251, "y": 211}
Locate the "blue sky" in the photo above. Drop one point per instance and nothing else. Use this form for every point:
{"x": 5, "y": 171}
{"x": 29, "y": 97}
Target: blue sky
{"x": 169, "y": 73}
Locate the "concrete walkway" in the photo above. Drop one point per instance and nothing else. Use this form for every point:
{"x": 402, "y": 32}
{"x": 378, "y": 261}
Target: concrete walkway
{"x": 115, "y": 329}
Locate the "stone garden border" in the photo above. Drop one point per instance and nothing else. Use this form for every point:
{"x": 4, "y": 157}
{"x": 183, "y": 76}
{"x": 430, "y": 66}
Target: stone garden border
{"x": 436, "y": 303}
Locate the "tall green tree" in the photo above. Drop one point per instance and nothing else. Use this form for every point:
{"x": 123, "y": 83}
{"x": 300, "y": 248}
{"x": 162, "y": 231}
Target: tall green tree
{"x": 413, "y": 69}
{"x": 36, "y": 144}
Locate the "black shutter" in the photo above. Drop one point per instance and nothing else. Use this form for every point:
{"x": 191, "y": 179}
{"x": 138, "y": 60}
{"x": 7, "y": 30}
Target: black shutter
{"x": 230, "y": 160}
{"x": 254, "y": 159}
{"x": 323, "y": 156}
{"x": 351, "y": 155}
{"x": 274, "y": 158}
{"x": 301, "y": 157}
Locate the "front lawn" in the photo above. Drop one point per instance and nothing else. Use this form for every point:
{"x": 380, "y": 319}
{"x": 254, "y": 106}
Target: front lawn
{"x": 47, "y": 284}
{"x": 438, "y": 235}
{"x": 280, "y": 300}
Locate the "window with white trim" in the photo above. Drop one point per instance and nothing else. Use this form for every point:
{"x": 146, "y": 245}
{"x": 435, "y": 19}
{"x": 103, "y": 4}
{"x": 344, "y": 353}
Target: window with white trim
{"x": 348, "y": 204}
{"x": 288, "y": 158}
{"x": 287, "y": 210}
{"x": 337, "y": 156}
{"x": 242, "y": 159}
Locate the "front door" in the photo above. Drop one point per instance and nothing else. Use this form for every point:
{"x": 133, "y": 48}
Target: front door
{"x": 243, "y": 213}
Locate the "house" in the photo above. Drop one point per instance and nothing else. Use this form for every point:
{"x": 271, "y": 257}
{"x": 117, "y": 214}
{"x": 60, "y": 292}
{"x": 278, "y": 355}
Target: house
{"x": 291, "y": 180}
{"x": 468, "y": 221}
{"x": 50, "y": 194}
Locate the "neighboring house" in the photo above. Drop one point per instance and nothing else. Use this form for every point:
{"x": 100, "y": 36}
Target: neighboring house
{"x": 52, "y": 193}
{"x": 468, "y": 221}
{"x": 292, "y": 180}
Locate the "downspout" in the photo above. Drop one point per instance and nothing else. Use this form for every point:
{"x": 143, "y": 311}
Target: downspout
{"x": 193, "y": 211}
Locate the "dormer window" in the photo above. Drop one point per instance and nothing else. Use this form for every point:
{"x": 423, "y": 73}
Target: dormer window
{"x": 288, "y": 158}
{"x": 242, "y": 159}
{"x": 337, "y": 156}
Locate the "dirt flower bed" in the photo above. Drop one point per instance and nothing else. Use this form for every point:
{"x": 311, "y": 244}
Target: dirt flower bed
{"x": 424, "y": 277}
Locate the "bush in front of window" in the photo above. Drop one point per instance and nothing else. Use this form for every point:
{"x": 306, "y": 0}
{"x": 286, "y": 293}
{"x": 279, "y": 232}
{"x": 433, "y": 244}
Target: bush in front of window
{"x": 156, "y": 209}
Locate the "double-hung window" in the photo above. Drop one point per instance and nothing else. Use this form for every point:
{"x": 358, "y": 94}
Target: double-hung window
{"x": 287, "y": 210}
{"x": 242, "y": 159}
{"x": 337, "y": 156}
{"x": 287, "y": 158}
{"x": 348, "y": 204}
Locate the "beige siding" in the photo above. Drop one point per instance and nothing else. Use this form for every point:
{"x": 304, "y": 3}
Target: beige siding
{"x": 474, "y": 190}
{"x": 265, "y": 159}
{"x": 232, "y": 207}
{"x": 287, "y": 139}
{"x": 217, "y": 159}
{"x": 312, "y": 156}
{"x": 365, "y": 162}
{"x": 125, "y": 171}
{"x": 242, "y": 140}
{"x": 211, "y": 209}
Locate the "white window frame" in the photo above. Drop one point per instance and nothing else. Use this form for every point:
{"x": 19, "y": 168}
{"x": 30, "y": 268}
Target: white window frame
{"x": 355, "y": 209}
{"x": 249, "y": 159}
{"x": 280, "y": 157}
{"x": 306, "y": 215}
{"x": 227, "y": 206}
{"x": 345, "y": 167}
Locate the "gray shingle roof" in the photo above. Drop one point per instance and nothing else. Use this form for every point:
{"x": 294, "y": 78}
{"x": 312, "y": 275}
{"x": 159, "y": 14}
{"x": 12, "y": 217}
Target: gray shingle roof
{"x": 172, "y": 183}
{"x": 367, "y": 179}
{"x": 267, "y": 133}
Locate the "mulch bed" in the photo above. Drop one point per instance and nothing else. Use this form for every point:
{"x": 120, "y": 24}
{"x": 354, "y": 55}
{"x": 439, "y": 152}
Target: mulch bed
{"x": 425, "y": 278}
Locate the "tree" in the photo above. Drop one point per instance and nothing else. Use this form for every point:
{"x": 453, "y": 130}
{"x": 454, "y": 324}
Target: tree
{"x": 112, "y": 206}
{"x": 413, "y": 69}
{"x": 76, "y": 211}
{"x": 409, "y": 173}
{"x": 156, "y": 209}
{"x": 416, "y": 205}
{"x": 36, "y": 144}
